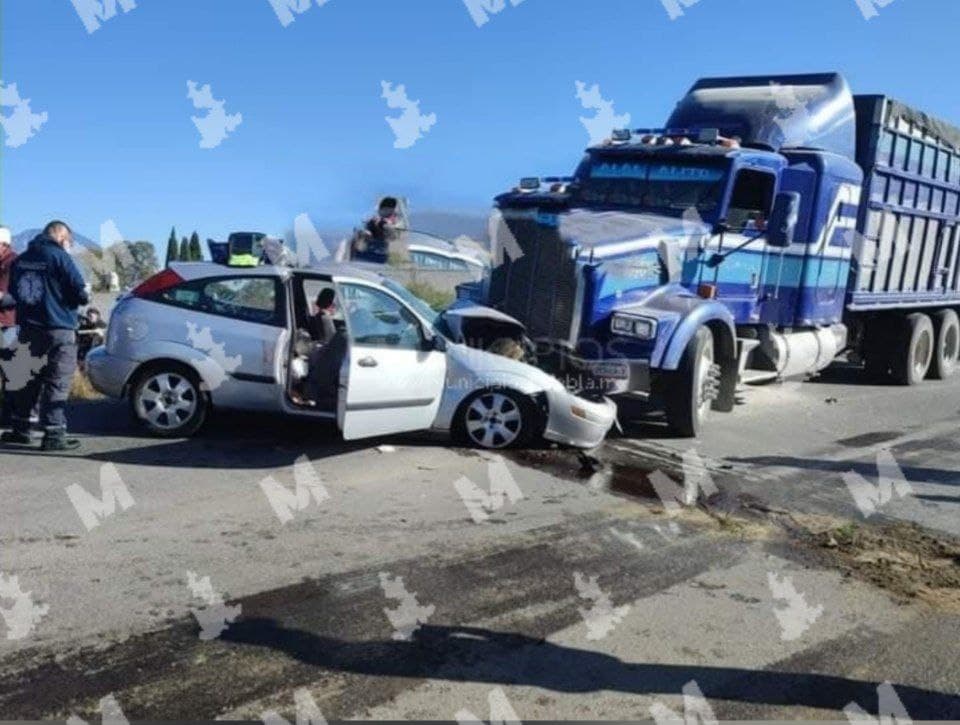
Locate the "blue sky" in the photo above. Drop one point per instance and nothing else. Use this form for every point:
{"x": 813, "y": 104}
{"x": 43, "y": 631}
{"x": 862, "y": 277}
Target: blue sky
{"x": 119, "y": 143}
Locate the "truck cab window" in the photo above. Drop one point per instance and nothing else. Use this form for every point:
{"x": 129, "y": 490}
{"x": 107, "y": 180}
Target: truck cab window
{"x": 751, "y": 200}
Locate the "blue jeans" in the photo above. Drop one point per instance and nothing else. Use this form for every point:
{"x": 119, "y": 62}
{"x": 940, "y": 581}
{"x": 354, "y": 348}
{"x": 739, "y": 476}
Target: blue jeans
{"x": 58, "y": 351}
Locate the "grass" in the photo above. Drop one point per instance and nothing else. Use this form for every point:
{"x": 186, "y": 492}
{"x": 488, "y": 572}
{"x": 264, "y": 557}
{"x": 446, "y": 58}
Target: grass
{"x": 438, "y": 299}
{"x": 82, "y": 388}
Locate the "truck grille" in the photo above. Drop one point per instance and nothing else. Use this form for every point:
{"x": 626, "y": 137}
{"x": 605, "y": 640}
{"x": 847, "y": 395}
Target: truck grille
{"x": 539, "y": 288}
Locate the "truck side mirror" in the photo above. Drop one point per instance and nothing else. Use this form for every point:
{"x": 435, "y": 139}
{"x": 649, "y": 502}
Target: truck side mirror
{"x": 783, "y": 219}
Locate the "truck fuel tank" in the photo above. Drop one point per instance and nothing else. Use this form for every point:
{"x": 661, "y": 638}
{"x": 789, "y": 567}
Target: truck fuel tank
{"x": 805, "y": 351}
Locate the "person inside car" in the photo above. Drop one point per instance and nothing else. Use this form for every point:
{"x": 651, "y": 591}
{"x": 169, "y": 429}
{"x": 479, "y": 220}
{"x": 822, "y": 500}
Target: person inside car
{"x": 320, "y": 324}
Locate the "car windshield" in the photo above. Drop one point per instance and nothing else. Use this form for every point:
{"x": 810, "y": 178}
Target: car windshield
{"x": 424, "y": 310}
{"x": 663, "y": 186}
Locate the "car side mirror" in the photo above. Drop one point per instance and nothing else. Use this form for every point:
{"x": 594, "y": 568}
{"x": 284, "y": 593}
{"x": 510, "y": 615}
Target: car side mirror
{"x": 783, "y": 219}
{"x": 432, "y": 341}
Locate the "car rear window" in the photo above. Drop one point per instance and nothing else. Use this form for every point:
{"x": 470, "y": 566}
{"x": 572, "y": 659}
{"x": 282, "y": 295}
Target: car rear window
{"x": 252, "y": 299}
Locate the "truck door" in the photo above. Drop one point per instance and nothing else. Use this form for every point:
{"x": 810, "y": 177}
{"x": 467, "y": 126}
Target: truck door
{"x": 392, "y": 380}
{"x": 739, "y": 278}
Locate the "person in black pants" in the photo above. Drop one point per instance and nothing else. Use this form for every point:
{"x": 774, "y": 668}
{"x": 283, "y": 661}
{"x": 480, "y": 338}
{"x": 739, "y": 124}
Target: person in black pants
{"x": 48, "y": 288}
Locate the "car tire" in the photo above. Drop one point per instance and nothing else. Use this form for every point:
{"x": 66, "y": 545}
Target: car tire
{"x": 914, "y": 351}
{"x": 168, "y": 401}
{"x": 497, "y": 419}
{"x": 689, "y": 390}
{"x": 947, "y": 350}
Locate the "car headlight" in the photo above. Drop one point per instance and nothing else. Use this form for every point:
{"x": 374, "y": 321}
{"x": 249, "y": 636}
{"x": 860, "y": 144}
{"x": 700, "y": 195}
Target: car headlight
{"x": 644, "y": 328}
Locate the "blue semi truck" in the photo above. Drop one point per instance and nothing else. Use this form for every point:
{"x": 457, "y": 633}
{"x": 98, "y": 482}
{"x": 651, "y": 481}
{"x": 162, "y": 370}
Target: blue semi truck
{"x": 775, "y": 223}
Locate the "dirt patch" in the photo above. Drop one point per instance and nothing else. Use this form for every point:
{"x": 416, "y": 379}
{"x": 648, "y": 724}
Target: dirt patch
{"x": 903, "y": 558}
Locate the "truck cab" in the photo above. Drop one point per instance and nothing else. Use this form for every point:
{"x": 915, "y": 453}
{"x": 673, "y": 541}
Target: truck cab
{"x": 676, "y": 261}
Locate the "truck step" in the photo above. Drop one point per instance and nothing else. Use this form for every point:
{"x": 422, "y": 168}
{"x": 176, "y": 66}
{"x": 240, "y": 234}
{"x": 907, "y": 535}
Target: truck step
{"x": 756, "y": 377}
{"x": 745, "y": 346}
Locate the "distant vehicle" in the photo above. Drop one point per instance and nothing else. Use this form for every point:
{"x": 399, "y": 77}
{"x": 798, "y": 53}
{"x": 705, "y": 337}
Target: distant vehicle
{"x": 237, "y": 244}
{"x": 775, "y": 223}
{"x": 424, "y": 251}
{"x": 91, "y": 332}
{"x": 201, "y": 335}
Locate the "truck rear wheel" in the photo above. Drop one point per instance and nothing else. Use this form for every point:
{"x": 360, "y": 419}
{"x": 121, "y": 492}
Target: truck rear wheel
{"x": 947, "y": 350}
{"x": 914, "y": 350}
{"x": 689, "y": 390}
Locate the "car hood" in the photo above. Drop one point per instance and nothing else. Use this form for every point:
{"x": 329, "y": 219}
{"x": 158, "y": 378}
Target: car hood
{"x": 464, "y": 311}
{"x": 483, "y": 363}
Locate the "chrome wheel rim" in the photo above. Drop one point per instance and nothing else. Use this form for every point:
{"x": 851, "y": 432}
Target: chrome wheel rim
{"x": 167, "y": 401}
{"x": 706, "y": 383}
{"x": 493, "y": 420}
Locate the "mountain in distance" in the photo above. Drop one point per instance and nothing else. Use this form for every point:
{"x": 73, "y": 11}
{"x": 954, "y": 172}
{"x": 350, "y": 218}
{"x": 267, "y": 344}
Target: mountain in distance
{"x": 80, "y": 242}
{"x": 451, "y": 224}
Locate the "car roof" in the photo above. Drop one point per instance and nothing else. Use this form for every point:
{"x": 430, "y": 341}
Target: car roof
{"x": 199, "y": 270}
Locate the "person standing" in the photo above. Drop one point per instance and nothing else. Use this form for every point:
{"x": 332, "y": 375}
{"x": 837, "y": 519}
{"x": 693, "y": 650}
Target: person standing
{"x": 8, "y": 317}
{"x": 49, "y": 289}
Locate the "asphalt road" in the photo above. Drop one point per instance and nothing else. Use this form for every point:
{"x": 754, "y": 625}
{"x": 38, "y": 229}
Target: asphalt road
{"x": 577, "y": 594}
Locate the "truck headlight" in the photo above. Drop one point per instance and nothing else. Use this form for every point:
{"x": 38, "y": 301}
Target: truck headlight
{"x": 644, "y": 328}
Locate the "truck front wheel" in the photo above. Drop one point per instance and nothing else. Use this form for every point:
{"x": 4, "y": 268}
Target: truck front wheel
{"x": 689, "y": 390}
{"x": 914, "y": 350}
{"x": 947, "y": 326}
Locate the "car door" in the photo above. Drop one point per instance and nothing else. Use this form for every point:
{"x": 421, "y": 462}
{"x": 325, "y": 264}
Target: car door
{"x": 239, "y": 325}
{"x": 393, "y": 378}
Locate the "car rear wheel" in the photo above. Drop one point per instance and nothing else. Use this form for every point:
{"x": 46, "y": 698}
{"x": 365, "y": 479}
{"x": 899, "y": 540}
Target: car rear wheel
{"x": 496, "y": 419}
{"x": 168, "y": 402}
{"x": 945, "y": 356}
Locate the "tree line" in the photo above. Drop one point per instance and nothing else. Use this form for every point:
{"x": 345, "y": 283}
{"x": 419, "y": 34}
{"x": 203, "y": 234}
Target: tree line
{"x": 186, "y": 250}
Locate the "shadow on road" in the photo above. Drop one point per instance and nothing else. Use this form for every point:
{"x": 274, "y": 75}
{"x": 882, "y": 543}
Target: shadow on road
{"x": 230, "y": 440}
{"x": 470, "y": 654}
{"x": 868, "y": 469}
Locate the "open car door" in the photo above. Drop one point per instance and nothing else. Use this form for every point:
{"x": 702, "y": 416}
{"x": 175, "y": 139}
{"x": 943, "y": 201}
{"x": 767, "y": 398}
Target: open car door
{"x": 393, "y": 378}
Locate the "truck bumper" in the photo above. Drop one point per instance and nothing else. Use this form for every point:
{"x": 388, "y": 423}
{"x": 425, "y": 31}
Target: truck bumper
{"x": 613, "y": 377}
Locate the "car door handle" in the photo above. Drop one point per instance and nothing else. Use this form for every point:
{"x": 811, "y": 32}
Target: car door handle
{"x": 367, "y": 362}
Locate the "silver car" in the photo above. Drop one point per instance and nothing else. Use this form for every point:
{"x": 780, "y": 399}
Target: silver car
{"x": 200, "y": 335}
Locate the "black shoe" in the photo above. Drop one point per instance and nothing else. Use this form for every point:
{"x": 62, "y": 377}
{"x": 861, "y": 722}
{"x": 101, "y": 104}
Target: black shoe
{"x": 12, "y": 436}
{"x": 59, "y": 443}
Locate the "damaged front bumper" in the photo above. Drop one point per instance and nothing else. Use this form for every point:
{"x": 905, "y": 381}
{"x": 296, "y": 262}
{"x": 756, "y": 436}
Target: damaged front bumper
{"x": 576, "y": 421}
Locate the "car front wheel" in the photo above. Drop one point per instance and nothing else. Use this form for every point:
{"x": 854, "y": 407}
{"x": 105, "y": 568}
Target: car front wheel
{"x": 168, "y": 402}
{"x": 496, "y": 419}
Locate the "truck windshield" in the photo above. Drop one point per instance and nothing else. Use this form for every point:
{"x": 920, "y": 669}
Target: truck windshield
{"x": 666, "y": 187}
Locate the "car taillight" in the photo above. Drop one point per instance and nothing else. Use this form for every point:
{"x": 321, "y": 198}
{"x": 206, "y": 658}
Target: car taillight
{"x": 157, "y": 283}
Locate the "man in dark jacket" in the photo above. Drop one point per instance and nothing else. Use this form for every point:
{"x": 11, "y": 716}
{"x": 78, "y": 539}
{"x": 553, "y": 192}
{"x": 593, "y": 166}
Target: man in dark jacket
{"x": 8, "y": 317}
{"x": 49, "y": 289}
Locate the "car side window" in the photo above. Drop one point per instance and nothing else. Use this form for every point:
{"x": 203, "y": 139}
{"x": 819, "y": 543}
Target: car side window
{"x": 251, "y": 299}
{"x": 377, "y": 319}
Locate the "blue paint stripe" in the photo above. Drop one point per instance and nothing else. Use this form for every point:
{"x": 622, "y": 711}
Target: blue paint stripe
{"x": 849, "y": 210}
{"x": 843, "y": 237}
